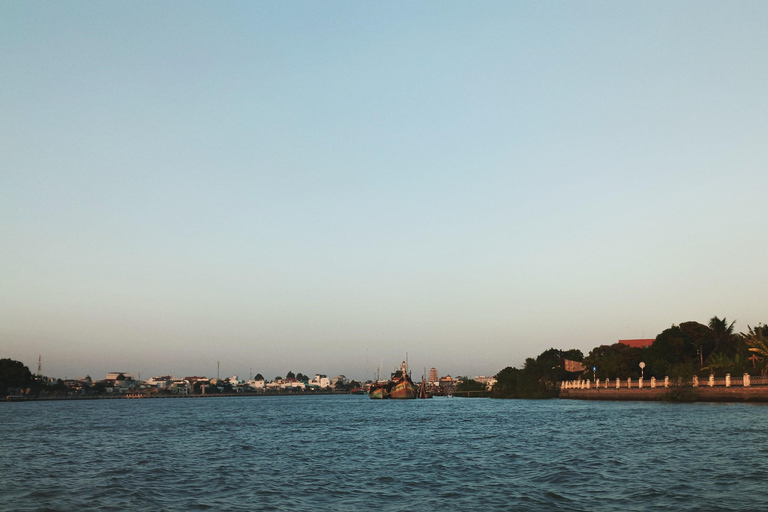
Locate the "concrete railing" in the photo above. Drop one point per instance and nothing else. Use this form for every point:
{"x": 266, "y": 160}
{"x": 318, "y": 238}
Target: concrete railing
{"x": 629, "y": 383}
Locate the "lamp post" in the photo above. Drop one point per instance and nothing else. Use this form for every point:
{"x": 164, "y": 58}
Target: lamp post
{"x": 642, "y": 370}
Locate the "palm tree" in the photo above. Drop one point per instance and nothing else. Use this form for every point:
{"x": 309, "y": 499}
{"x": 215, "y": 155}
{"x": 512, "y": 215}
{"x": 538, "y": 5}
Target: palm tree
{"x": 722, "y": 332}
{"x": 718, "y": 361}
{"x": 757, "y": 340}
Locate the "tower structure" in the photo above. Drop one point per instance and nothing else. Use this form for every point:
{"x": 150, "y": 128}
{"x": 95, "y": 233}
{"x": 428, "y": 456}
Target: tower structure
{"x": 433, "y": 375}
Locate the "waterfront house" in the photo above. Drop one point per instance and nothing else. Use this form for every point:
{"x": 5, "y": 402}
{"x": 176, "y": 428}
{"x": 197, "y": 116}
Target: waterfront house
{"x": 257, "y": 384}
{"x": 338, "y": 378}
{"x": 321, "y": 381}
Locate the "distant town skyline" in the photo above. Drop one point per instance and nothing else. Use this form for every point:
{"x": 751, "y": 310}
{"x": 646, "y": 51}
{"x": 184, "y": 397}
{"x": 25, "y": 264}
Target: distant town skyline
{"x": 327, "y": 187}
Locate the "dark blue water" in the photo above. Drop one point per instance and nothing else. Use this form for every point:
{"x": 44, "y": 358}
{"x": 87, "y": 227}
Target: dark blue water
{"x": 351, "y": 453}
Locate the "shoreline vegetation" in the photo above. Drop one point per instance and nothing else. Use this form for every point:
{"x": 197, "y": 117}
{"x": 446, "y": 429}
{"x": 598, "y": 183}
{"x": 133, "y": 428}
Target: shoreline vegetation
{"x": 680, "y": 354}
{"x": 685, "y": 353}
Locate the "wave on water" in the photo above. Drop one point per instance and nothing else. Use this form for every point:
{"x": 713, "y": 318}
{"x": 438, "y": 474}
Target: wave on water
{"x": 351, "y": 453}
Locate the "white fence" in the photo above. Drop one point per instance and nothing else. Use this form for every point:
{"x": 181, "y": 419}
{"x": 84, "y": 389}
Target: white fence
{"x": 745, "y": 381}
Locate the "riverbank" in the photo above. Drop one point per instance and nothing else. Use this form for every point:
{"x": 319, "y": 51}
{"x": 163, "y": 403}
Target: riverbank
{"x": 138, "y": 396}
{"x": 698, "y": 394}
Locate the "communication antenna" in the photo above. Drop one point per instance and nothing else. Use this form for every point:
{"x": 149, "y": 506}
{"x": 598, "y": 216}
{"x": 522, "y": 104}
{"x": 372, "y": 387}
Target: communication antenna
{"x": 39, "y": 365}
{"x": 218, "y": 365}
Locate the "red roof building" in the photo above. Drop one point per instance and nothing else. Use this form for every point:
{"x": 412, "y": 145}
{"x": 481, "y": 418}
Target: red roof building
{"x": 638, "y": 343}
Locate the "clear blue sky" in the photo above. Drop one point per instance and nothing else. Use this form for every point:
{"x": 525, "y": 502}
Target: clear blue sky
{"x": 325, "y": 186}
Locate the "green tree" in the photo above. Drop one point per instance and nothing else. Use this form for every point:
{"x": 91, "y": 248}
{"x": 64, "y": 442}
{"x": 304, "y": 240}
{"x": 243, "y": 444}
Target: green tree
{"x": 573, "y": 354}
{"x": 259, "y": 377}
{"x": 700, "y": 337}
{"x": 538, "y": 378}
{"x": 290, "y": 375}
{"x": 722, "y": 332}
{"x": 13, "y": 374}
{"x": 757, "y": 342}
{"x": 614, "y": 361}
{"x": 682, "y": 344}
{"x": 718, "y": 363}
{"x": 521, "y": 383}
{"x": 470, "y": 385}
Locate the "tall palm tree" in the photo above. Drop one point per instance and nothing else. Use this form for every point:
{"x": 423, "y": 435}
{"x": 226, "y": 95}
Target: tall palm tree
{"x": 722, "y": 332}
{"x": 757, "y": 340}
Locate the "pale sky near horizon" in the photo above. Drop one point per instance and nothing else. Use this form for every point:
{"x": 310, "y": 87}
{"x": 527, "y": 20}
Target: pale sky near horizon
{"x": 324, "y": 187}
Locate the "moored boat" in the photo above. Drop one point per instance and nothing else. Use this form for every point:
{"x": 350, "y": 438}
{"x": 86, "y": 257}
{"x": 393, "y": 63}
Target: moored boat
{"x": 378, "y": 392}
{"x": 403, "y": 390}
{"x": 399, "y": 387}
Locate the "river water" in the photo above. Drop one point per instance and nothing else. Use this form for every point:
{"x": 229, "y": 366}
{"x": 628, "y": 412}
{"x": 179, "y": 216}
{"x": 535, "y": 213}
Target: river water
{"x": 352, "y": 453}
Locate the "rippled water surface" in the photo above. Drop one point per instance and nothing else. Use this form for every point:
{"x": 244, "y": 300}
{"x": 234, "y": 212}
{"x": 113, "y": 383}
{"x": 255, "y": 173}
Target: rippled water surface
{"x": 352, "y": 453}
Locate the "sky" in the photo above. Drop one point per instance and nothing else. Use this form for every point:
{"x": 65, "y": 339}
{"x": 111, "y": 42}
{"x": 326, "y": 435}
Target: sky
{"x": 327, "y": 187}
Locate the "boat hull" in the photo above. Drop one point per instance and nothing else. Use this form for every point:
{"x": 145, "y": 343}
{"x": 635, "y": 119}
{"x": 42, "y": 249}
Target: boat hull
{"x": 378, "y": 394}
{"x": 403, "y": 390}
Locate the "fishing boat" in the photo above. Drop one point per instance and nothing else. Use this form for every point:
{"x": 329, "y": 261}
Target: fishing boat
{"x": 379, "y": 391}
{"x": 403, "y": 390}
{"x": 399, "y": 387}
{"x": 402, "y": 385}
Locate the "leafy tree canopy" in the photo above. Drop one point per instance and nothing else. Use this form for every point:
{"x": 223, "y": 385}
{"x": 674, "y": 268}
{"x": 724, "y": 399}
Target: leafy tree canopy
{"x": 537, "y": 378}
{"x": 470, "y": 385}
{"x": 13, "y": 374}
{"x": 612, "y": 361}
{"x": 722, "y": 331}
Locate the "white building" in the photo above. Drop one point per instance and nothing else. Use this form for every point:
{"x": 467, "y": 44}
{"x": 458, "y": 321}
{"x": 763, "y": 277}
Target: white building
{"x": 321, "y": 381}
{"x": 289, "y": 384}
{"x": 161, "y": 382}
{"x": 488, "y": 381}
{"x": 180, "y": 387}
{"x": 257, "y": 384}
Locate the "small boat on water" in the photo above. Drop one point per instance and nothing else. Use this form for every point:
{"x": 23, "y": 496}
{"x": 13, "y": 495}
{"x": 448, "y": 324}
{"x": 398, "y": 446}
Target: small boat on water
{"x": 379, "y": 391}
{"x": 399, "y": 387}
